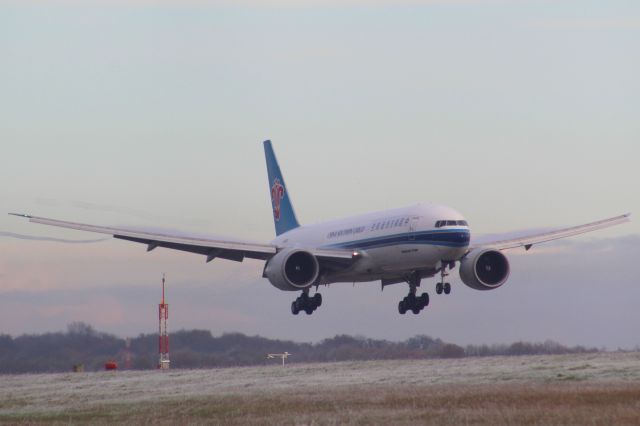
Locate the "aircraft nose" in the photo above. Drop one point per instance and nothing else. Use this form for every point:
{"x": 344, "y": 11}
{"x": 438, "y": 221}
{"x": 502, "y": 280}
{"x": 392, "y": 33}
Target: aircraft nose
{"x": 464, "y": 237}
{"x": 459, "y": 244}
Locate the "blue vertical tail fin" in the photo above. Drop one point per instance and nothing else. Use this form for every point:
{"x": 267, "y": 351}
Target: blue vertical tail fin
{"x": 283, "y": 215}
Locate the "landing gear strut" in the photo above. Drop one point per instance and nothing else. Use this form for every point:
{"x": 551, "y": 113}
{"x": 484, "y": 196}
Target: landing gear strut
{"x": 306, "y": 303}
{"x": 442, "y": 286}
{"x": 412, "y": 302}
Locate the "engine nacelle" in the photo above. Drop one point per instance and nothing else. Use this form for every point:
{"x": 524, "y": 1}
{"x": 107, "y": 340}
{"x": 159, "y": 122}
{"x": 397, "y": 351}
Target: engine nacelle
{"x": 484, "y": 269}
{"x": 292, "y": 269}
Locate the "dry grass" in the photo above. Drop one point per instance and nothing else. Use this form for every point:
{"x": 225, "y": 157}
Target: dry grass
{"x": 554, "y": 390}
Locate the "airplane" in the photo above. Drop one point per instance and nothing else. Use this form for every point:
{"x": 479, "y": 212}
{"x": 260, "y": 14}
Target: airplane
{"x": 403, "y": 245}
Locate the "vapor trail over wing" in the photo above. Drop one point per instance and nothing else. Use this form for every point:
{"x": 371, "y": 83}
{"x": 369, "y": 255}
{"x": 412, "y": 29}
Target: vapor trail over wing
{"x": 55, "y": 240}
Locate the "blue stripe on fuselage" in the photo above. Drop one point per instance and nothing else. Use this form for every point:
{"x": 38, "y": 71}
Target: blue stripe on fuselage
{"x": 448, "y": 238}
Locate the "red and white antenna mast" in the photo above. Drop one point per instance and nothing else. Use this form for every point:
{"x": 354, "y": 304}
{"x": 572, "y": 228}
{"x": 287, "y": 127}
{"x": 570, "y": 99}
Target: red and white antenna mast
{"x": 163, "y": 342}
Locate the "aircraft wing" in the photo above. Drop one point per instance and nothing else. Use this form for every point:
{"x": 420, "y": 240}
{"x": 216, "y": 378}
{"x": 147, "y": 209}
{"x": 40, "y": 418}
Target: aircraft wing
{"x": 212, "y": 247}
{"x": 528, "y": 238}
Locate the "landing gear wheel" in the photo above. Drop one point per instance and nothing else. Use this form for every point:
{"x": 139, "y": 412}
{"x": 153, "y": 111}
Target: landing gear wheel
{"x": 306, "y": 303}
{"x": 447, "y": 288}
{"x": 424, "y": 300}
{"x": 411, "y": 302}
{"x": 439, "y": 288}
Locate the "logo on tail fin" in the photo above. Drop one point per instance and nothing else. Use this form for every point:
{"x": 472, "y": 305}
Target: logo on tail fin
{"x": 277, "y": 194}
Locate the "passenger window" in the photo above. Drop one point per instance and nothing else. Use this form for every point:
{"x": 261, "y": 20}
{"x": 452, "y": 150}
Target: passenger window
{"x": 438, "y": 224}
{"x": 451, "y": 223}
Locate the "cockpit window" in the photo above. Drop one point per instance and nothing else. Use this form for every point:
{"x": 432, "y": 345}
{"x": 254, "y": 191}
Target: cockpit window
{"x": 441, "y": 223}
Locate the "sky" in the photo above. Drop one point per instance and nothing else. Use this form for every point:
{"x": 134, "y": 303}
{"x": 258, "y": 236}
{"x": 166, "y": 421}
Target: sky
{"x": 518, "y": 113}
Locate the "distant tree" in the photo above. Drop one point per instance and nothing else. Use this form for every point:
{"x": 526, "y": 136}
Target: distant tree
{"x": 79, "y": 327}
{"x": 422, "y": 342}
{"x": 81, "y": 344}
{"x": 520, "y": 348}
{"x": 449, "y": 350}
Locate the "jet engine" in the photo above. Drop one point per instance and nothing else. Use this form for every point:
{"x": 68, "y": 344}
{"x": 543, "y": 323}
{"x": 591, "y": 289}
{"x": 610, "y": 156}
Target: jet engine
{"x": 292, "y": 269}
{"x": 484, "y": 269}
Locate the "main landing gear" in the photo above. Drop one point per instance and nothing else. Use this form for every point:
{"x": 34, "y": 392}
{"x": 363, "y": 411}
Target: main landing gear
{"x": 306, "y": 303}
{"x": 412, "y": 302}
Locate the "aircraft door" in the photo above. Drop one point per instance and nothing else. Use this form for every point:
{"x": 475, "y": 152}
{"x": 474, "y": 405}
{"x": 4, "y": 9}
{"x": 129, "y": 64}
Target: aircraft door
{"x": 413, "y": 227}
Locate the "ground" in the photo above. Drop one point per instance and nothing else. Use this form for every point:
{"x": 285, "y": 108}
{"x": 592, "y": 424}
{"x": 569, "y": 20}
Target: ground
{"x": 596, "y": 389}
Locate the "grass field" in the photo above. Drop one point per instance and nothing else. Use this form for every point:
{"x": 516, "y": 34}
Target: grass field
{"x": 590, "y": 389}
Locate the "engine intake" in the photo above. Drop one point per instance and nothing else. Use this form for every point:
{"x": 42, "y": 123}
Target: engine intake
{"x": 292, "y": 270}
{"x": 484, "y": 269}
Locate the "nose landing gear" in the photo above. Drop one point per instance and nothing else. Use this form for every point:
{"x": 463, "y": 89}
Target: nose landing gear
{"x": 443, "y": 287}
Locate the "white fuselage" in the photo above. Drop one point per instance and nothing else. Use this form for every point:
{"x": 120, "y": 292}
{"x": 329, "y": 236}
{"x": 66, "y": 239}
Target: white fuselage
{"x": 391, "y": 243}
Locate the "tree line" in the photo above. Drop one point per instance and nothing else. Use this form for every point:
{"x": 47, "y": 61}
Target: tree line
{"x": 82, "y": 345}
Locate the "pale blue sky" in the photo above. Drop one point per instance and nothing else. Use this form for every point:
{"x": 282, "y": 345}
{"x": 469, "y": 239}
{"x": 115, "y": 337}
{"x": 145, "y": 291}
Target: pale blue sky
{"x": 517, "y": 113}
